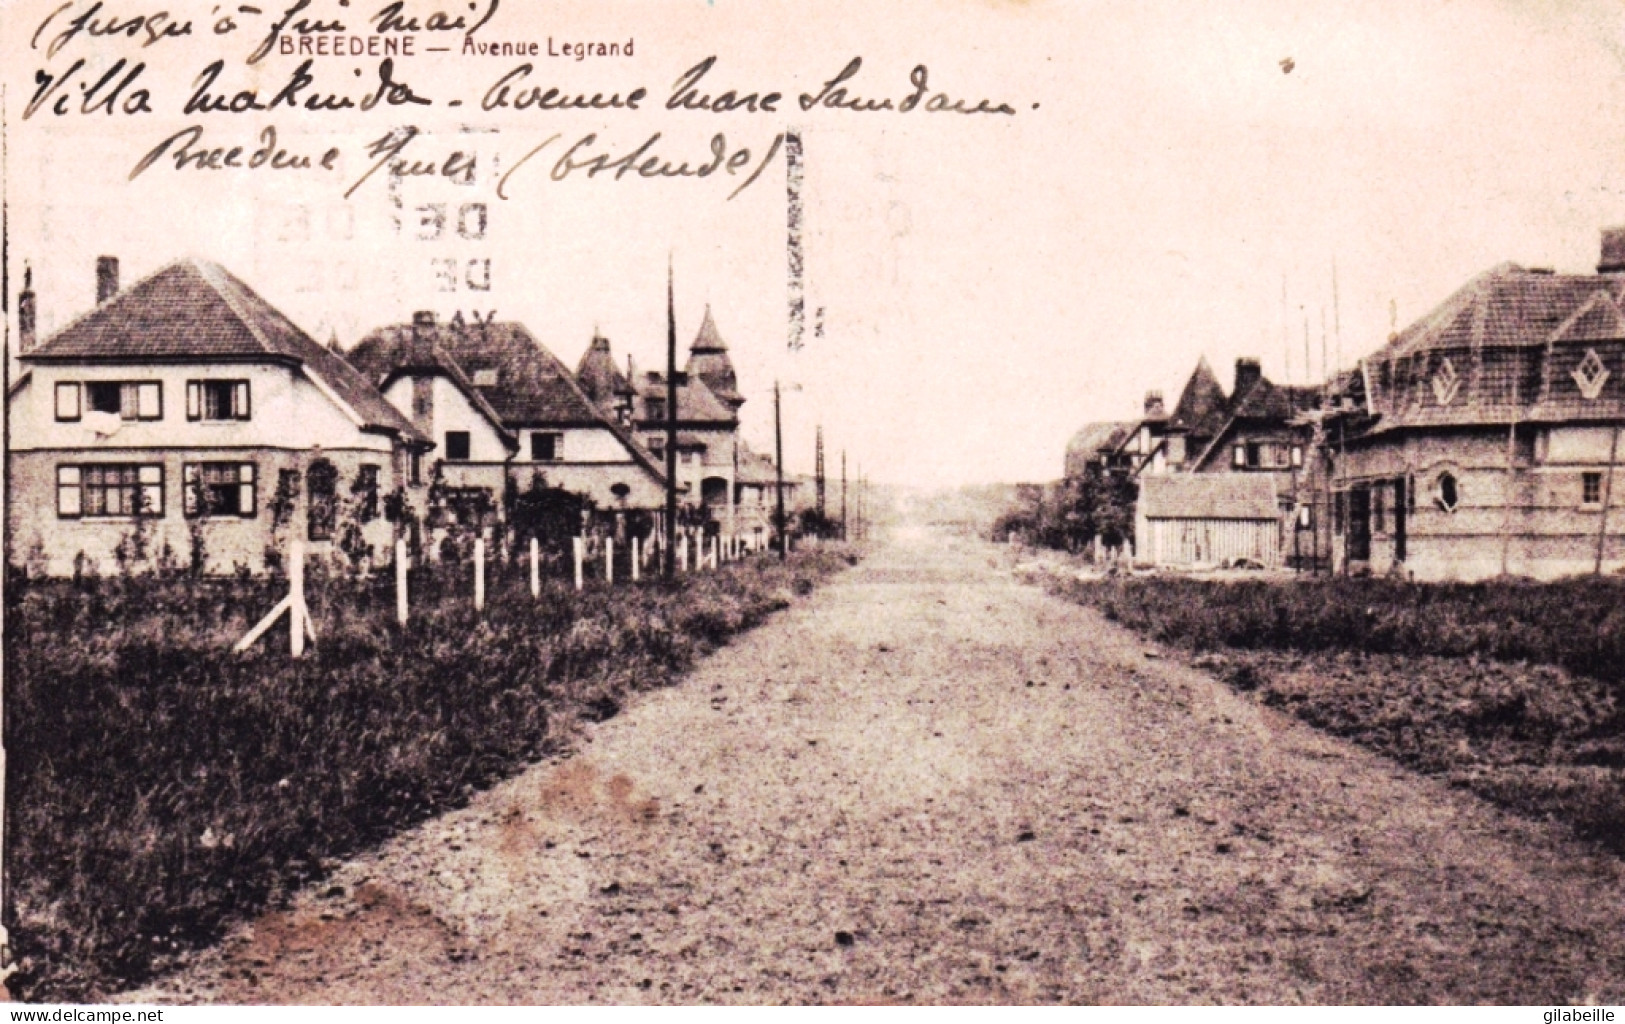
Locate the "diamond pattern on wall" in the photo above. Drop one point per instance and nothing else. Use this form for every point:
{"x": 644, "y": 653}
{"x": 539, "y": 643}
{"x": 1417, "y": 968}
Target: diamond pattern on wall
{"x": 1446, "y": 383}
{"x": 1590, "y": 375}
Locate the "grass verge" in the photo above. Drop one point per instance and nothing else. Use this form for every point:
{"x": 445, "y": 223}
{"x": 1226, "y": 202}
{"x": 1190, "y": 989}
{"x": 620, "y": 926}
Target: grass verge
{"x": 1511, "y": 690}
{"x": 159, "y": 786}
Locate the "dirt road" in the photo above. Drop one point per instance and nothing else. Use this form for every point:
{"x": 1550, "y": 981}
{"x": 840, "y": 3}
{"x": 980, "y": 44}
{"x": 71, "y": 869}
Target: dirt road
{"x": 929, "y": 783}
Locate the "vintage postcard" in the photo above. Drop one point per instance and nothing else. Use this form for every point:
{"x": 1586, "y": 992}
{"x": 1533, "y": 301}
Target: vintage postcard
{"x": 696, "y": 501}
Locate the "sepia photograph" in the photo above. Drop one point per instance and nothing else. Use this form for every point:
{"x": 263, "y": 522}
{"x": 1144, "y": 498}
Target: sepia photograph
{"x": 705, "y": 502}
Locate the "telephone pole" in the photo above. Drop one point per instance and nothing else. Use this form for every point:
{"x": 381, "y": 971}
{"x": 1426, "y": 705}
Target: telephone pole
{"x": 778, "y": 468}
{"x": 843, "y": 494}
{"x": 669, "y": 555}
{"x": 818, "y": 470}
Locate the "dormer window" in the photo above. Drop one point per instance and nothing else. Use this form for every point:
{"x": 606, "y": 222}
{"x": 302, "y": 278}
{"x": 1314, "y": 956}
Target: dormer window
{"x": 486, "y": 378}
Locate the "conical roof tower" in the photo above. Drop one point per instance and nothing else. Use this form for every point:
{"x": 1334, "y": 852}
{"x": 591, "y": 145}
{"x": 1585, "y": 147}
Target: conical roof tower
{"x": 598, "y": 375}
{"x": 708, "y": 360}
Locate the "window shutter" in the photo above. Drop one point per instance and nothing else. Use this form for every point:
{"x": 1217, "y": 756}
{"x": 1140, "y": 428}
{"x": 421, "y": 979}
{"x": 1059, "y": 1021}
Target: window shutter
{"x": 150, "y": 401}
{"x": 194, "y": 399}
{"x": 67, "y": 402}
{"x": 68, "y": 494}
{"x": 239, "y": 400}
{"x": 245, "y": 490}
{"x": 189, "y": 488}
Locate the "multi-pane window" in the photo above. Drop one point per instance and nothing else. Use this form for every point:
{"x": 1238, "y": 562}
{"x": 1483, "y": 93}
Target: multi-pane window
{"x": 1239, "y": 458}
{"x": 1297, "y": 456}
{"x": 220, "y": 488}
{"x": 457, "y": 445}
{"x": 1591, "y": 488}
{"x": 217, "y": 400}
{"x": 1379, "y": 504}
{"x": 109, "y": 490}
{"x": 129, "y": 399}
{"x": 546, "y": 447}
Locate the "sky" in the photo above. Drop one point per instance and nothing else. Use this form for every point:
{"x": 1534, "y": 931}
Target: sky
{"x": 1177, "y": 180}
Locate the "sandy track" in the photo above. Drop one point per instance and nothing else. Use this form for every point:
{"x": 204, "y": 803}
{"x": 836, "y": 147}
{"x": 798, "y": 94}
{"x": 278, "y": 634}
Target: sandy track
{"x": 928, "y": 783}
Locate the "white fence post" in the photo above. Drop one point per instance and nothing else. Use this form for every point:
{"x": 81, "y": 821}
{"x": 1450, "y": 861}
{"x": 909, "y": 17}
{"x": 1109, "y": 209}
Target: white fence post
{"x": 479, "y": 574}
{"x": 296, "y": 594}
{"x": 400, "y": 581}
{"x": 609, "y": 559}
{"x": 535, "y": 569}
{"x": 682, "y": 552}
{"x": 636, "y": 553}
{"x": 579, "y": 547}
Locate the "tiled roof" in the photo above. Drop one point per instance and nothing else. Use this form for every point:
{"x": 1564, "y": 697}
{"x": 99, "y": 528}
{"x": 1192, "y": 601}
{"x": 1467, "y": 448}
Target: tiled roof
{"x": 196, "y": 311}
{"x": 696, "y": 403}
{"x": 598, "y": 375}
{"x": 529, "y": 386}
{"x": 1202, "y": 405}
{"x": 1510, "y": 345}
{"x": 384, "y": 357}
{"x": 1208, "y": 496}
{"x": 708, "y": 360}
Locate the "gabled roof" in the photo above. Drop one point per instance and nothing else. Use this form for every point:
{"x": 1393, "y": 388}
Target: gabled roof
{"x": 1249, "y": 496}
{"x": 1264, "y": 402}
{"x": 708, "y": 360}
{"x": 696, "y": 403}
{"x": 384, "y": 358}
{"x": 1203, "y": 404}
{"x": 195, "y": 311}
{"x": 529, "y": 386}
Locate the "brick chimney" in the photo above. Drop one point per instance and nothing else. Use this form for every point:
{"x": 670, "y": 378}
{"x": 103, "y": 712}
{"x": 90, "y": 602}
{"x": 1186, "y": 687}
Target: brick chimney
{"x": 1612, "y": 259}
{"x": 1153, "y": 406}
{"x": 1248, "y": 373}
{"x": 25, "y": 311}
{"x": 106, "y": 278}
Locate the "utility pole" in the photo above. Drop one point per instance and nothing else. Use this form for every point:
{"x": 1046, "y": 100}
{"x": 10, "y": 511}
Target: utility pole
{"x": 669, "y": 554}
{"x": 778, "y": 468}
{"x": 1607, "y": 500}
{"x": 843, "y": 494}
{"x": 818, "y": 471}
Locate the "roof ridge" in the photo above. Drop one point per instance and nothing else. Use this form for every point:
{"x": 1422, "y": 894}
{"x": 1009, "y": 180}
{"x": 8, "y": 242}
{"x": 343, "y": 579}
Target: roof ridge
{"x": 212, "y": 274}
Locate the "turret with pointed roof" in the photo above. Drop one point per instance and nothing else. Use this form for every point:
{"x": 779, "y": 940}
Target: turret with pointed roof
{"x": 1202, "y": 405}
{"x": 708, "y": 360}
{"x": 599, "y": 377}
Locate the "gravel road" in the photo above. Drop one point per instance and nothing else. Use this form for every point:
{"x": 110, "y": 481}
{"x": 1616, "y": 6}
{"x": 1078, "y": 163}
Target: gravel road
{"x": 930, "y": 783}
